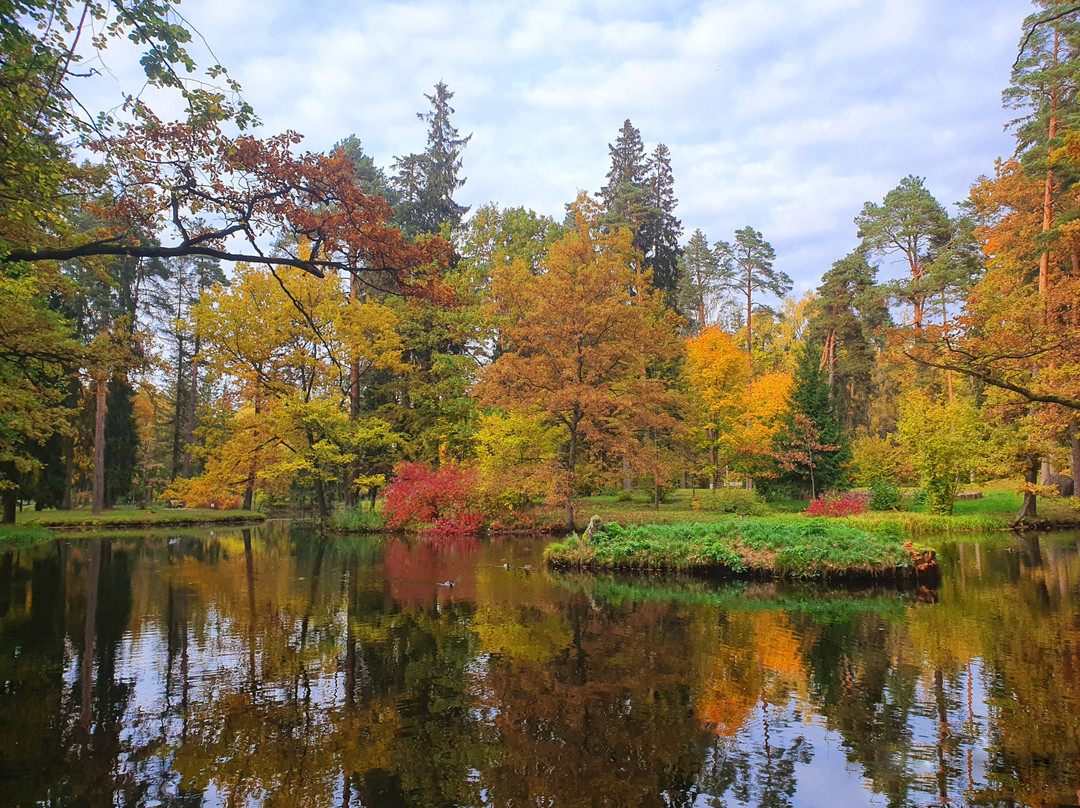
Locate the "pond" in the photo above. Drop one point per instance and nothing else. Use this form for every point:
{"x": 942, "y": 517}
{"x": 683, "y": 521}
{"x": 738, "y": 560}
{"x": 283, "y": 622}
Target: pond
{"x": 267, "y": 666}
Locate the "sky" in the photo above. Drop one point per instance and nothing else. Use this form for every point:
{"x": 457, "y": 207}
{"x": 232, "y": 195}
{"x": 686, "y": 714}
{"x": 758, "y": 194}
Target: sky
{"x": 786, "y": 116}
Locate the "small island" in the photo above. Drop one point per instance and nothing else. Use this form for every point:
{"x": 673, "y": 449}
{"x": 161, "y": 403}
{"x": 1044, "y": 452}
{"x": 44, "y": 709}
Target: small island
{"x": 807, "y": 548}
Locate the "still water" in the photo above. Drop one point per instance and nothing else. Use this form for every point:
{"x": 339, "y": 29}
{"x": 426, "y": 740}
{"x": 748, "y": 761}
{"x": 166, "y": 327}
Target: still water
{"x": 265, "y": 666}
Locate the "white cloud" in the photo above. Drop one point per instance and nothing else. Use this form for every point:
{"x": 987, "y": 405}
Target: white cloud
{"x": 786, "y": 115}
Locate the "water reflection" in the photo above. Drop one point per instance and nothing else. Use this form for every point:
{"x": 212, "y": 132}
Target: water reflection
{"x": 269, "y": 666}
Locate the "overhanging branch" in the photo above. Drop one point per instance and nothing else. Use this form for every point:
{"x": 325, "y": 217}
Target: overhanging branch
{"x": 993, "y": 381}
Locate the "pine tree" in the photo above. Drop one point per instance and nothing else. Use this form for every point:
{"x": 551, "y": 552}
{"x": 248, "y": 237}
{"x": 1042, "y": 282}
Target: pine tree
{"x": 702, "y": 279}
{"x": 849, "y": 309}
{"x": 427, "y": 181}
{"x": 751, "y": 261}
{"x": 911, "y": 222}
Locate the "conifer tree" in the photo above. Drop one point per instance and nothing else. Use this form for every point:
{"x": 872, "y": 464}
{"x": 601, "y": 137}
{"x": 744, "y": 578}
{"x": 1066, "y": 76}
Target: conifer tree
{"x": 427, "y": 181}
{"x": 702, "y": 279}
{"x": 849, "y": 309}
{"x": 751, "y": 261}
{"x": 659, "y": 232}
{"x": 811, "y": 449}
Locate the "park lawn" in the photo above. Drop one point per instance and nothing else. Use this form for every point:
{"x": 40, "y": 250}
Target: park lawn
{"x": 133, "y": 517}
{"x": 995, "y": 511}
{"x": 753, "y": 546}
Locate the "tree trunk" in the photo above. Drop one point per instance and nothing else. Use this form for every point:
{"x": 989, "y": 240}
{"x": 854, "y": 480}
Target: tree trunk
{"x": 627, "y": 482}
{"x": 1031, "y": 476}
{"x": 178, "y": 412}
{"x": 352, "y": 496}
{"x": 571, "y": 462}
{"x": 1074, "y": 458}
{"x": 192, "y": 403}
{"x": 749, "y": 343}
{"x": 9, "y": 497}
{"x": 69, "y": 471}
{"x": 99, "y": 446}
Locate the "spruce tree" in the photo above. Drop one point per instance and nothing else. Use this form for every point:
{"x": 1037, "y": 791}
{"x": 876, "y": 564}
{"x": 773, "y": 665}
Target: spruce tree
{"x": 811, "y": 448}
{"x": 660, "y": 229}
{"x": 427, "y": 181}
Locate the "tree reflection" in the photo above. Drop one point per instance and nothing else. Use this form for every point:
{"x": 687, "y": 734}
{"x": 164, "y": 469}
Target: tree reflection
{"x": 269, "y": 666}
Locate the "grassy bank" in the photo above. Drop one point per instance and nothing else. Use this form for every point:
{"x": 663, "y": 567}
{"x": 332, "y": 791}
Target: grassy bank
{"x": 787, "y": 547}
{"x": 133, "y": 517}
{"x": 995, "y": 511}
{"x": 20, "y": 535}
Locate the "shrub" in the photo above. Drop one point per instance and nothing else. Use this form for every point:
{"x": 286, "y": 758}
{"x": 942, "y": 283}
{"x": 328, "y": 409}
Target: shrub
{"x": 884, "y": 495}
{"x": 837, "y": 505}
{"x": 422, "y": 495}
{"x": 735, "y": 500}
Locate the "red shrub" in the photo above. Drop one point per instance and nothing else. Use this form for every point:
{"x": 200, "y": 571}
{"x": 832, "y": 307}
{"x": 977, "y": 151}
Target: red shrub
{"x": 837, "y": 505}
{"x": 421, "y": 495}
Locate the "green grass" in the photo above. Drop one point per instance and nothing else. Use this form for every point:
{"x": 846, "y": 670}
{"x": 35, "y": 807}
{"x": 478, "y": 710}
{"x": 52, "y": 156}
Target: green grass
{"x": 795, "y": 547}
{"x": 359, "y": 520}
{"x": 134, "y": 517}
{"x": 12, "y": 536}
{"x": 995, "y": 511}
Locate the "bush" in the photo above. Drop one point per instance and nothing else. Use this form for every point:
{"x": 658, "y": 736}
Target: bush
{"x": 837, "y": 505}
{"x": 421, "y": 495}
{"x": 736, "y": 501}
{"x": 884, "y": 496}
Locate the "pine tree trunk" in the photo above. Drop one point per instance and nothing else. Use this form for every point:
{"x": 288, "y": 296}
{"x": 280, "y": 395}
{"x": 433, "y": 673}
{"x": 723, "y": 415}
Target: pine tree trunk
{"x": 178, "y": 413}
{"x": 749, "y": 342}
{"x": 99, "y": 446}
{"x": 192, "y": 403}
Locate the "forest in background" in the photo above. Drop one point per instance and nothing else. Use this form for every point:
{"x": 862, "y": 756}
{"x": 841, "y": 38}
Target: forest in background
{"x": 193, "y": 312}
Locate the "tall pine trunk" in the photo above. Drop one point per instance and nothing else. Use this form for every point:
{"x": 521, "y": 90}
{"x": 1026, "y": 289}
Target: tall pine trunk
{"x": 98, "y": 506}
{"x": 192, "y": 405}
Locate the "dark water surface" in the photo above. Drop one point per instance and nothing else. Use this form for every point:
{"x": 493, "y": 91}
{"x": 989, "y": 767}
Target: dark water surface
{"x": 264, "y": 666}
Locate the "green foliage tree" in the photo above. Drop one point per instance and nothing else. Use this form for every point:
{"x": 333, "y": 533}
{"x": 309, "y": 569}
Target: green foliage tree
{"x": 943, "y": 442}
{"x": 811, "y": 448}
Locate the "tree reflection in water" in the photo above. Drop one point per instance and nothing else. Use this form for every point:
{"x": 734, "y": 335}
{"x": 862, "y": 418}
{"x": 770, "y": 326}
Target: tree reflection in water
{"x": 268, "y": 666}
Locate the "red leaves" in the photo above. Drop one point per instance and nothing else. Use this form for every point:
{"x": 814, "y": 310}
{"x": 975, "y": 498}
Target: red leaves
{"x": 848, "y": 504}
{"x": 439, "y": 497}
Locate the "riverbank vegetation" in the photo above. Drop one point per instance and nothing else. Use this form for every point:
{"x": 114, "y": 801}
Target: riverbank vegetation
{"x": 795, "y": 548}
{"x": 484, "y": 368}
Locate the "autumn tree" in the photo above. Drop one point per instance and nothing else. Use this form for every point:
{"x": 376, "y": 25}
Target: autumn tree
{"x": 581, "y": 348}
{"x": 716, "y": 371}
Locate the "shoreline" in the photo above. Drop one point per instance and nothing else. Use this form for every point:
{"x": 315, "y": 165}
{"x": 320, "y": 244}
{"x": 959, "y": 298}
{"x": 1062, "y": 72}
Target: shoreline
{"x": 749, "y": 548}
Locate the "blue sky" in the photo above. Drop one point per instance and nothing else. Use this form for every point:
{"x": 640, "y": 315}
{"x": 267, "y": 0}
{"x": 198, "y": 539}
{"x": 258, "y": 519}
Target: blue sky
{"x": 786, "y": 115}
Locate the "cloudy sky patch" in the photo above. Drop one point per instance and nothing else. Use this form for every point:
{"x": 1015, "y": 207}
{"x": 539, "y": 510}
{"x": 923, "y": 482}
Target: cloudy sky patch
{"x": 785, "y": 115}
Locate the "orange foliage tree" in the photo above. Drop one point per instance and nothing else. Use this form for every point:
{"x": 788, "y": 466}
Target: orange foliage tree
{"x": 582, "y": 341}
